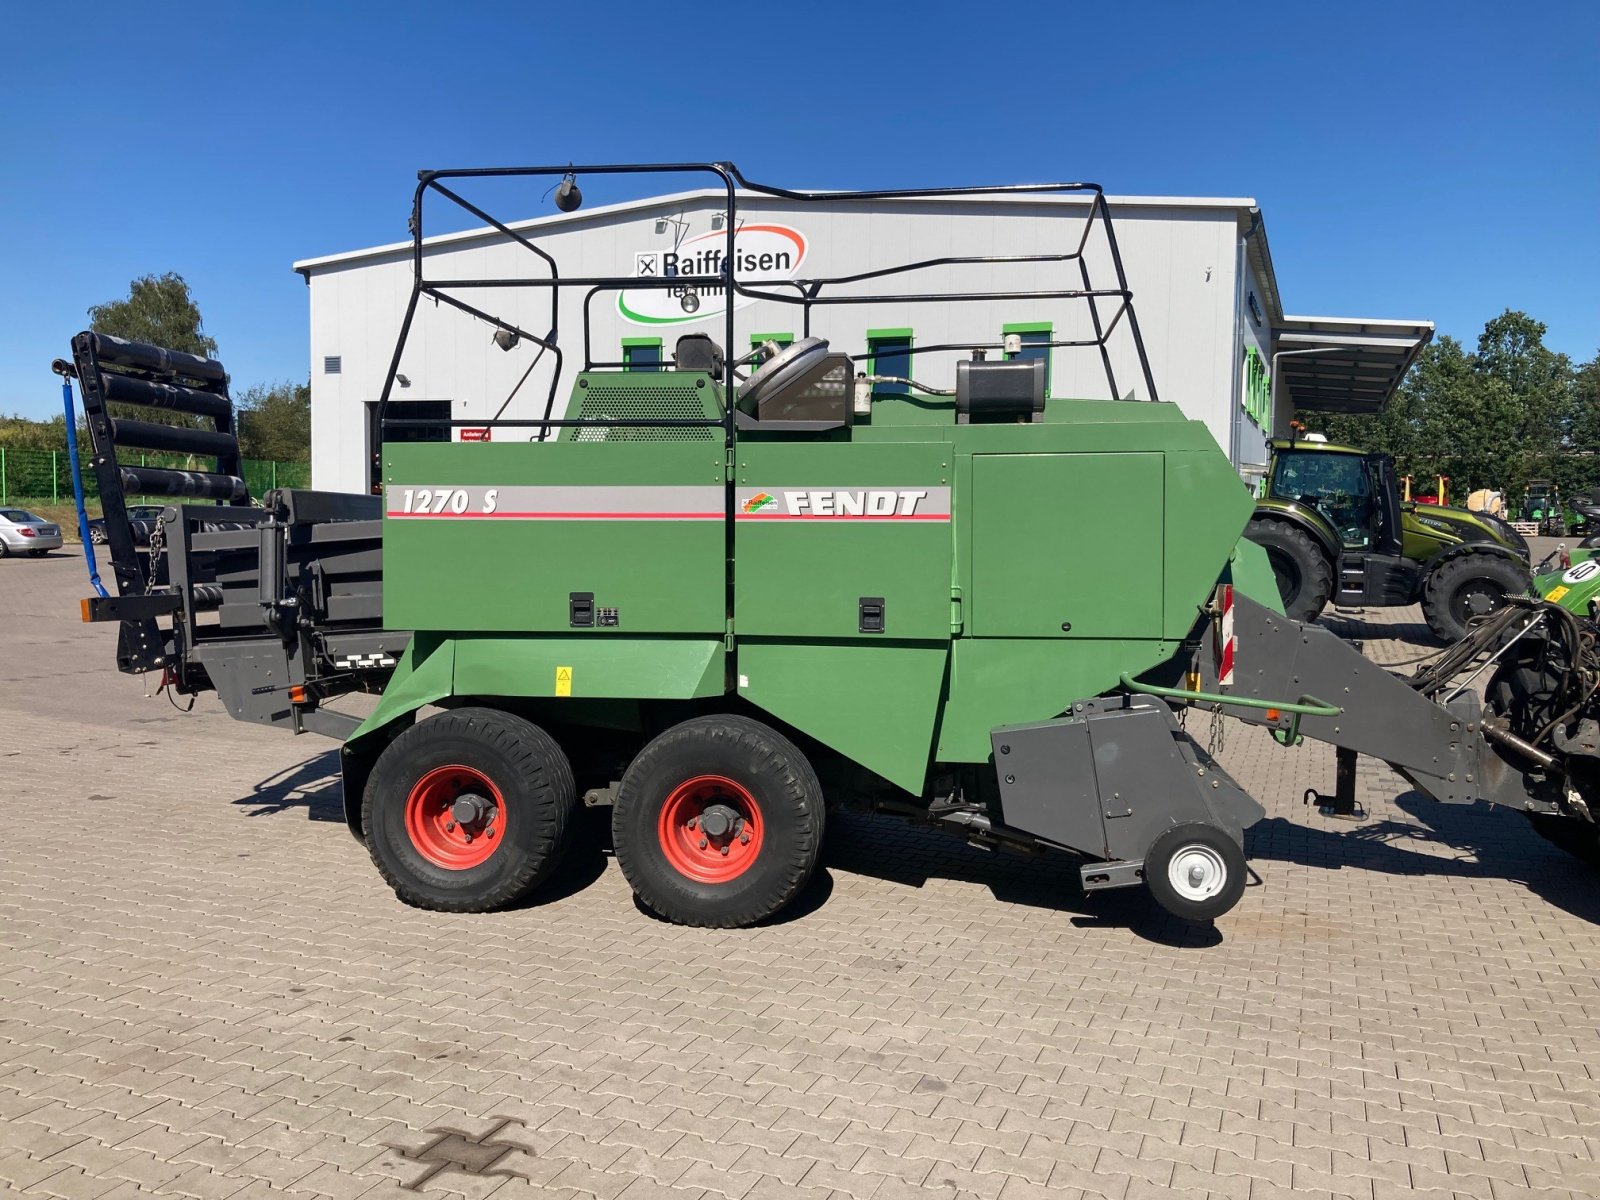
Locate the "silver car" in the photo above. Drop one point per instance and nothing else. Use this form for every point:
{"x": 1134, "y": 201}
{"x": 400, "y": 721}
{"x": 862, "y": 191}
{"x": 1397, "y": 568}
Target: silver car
{"x": 21, "y": 532}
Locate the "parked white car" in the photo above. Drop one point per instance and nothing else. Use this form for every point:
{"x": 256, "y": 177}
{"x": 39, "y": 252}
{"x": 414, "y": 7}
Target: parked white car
{"x": 21, "y": 532}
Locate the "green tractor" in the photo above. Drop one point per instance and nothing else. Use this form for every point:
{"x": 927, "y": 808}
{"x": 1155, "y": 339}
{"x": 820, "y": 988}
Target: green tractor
{"x": 1541, "y": 504}
{"x": 1335, "y": 528}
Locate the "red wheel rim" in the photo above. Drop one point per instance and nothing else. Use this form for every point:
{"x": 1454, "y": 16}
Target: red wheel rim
{"x": 710, "y": 829}
{"x": 434, "y": 817}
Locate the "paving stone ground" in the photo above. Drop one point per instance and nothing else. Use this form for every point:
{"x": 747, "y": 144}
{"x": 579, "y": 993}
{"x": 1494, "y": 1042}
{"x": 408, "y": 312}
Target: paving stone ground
{"x": 207, "y": 992}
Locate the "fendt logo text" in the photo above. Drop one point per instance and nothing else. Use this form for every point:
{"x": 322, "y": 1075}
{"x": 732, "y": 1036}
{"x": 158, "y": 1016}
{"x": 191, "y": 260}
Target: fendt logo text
{"x": 880, "y": 504}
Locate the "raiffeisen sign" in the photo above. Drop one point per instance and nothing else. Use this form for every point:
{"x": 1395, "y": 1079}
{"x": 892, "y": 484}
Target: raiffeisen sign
{"x": 762, "y": 254}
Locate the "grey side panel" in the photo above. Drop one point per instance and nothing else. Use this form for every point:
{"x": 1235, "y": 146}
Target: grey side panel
{"x": 1438, "y": 748}
{"x": 1111, "y": 777}
{"x": 252, "y": 679}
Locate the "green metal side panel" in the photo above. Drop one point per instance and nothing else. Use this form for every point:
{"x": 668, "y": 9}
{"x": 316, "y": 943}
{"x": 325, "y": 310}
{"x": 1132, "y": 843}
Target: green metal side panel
{"x": 1577, "y": 587}
{"x": 649, "y": 394}
{"x": 1207, "y": 509}
{"x": 1250, "y": 571}
{"x": 589, "y": 668}
{"x": 820, "y": 524}
{"x": 1066, "y": 545}
{"x": 638, "y": 525}
{"x": 874, "y": 702}
{"x": 1011, "y": 681}
{"x": 422, "y": 676}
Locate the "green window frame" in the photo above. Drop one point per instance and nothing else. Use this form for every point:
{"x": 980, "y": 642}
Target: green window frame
{"x": 1037, "y": 331}
{"x": 1256, "y": 395}
{"x": 636, "y": 354}
{"x": 893, "y": 346}
{"x": 783, "y": 339}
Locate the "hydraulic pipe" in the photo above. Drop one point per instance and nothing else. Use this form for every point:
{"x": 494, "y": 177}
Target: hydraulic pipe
{"x": 77, "y": 480}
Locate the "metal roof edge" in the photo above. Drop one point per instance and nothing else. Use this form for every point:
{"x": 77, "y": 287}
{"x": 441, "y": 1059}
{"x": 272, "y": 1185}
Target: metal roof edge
{"x": 1392, "y": 322}
{"x": 306, "y": 266}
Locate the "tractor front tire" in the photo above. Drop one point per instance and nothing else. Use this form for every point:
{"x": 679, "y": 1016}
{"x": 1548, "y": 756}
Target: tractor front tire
{"x": 1303, "y": 573}
{"x": 1448, "y": 594}
{"x": 718, "y": 822}
{"x": 1196, "y": 872}
{"x": 468, "y": 810}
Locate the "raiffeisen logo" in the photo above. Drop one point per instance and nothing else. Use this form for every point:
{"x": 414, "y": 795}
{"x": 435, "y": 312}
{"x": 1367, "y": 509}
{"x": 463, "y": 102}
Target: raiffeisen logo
{"x": 761, "y": 254}
{"x": 758, "y": 502}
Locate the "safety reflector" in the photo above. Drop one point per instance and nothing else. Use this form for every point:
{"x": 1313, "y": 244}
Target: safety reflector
{"x": 83, "y": 607}
{"x": 297, "y": 694}
{"x": 1226, "y": 641}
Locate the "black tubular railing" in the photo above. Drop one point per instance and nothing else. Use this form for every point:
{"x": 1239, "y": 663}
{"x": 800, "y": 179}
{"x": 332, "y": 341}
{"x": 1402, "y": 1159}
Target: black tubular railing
{"x": 1114, "y": 302}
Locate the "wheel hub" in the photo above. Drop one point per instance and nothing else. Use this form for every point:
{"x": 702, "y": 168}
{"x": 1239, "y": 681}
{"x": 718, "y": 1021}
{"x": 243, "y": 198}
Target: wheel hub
{"x": 710, "y": 829}
{"x": 471, "y": 809}
{"x": 1197, "y": 872}
{"x": 455, "y": 817}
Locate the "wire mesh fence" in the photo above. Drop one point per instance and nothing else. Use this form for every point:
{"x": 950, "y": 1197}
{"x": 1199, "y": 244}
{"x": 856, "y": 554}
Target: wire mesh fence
{"x": 45, "y": 476}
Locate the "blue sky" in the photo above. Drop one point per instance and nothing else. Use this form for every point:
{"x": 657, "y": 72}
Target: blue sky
{"x": 1431, "y": 161}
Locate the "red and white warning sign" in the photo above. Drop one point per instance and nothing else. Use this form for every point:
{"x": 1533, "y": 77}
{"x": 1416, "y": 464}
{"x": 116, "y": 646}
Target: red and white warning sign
{"x": 1223, "y": 629}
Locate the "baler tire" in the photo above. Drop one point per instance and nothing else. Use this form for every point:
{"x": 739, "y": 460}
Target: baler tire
{"x": 737, "y": 764}
{"x": 1450, "y": 581}
{"x": 525, "y": 772}
{"x": 1292, "y": 549}
{"x": 1211, "y": 850}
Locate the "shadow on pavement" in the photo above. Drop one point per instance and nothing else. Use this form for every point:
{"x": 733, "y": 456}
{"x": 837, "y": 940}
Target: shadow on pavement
{"x": 588, "y": 853}
{"x": 1364, "y": 625}
{"x": 312, "y": 786}
{"x": 1488, "y": 844}
{"x": 894, "y": 850}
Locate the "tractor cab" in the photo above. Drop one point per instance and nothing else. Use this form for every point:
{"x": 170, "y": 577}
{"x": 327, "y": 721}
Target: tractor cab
{"x": 1353, "y": 491}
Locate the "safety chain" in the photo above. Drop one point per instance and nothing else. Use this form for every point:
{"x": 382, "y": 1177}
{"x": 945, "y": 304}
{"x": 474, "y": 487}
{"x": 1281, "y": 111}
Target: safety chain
{"x": 1219, "y": 732}
{"x": 158, "y": 545}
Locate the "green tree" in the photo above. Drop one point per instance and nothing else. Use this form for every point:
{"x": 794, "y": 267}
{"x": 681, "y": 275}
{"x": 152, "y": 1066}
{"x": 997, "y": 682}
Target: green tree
{"x": 1582, "y": 427}
{"x": 24, "y": 433}
{"x": 275, "y": 421}
{"x": 159, "y": 310}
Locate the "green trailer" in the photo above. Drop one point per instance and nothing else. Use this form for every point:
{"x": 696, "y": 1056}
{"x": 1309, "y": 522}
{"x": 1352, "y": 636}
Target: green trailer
{"x": 725, "y": 596}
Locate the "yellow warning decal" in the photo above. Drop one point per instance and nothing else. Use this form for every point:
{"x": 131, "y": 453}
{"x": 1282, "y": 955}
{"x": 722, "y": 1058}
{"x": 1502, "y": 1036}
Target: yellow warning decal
{"x": 1557, "y": 593}
{"x": 563, "y": 681}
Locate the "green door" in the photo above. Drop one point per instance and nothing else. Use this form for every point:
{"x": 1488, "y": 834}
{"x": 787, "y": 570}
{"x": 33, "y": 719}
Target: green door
{"x": 1067, "y": 545}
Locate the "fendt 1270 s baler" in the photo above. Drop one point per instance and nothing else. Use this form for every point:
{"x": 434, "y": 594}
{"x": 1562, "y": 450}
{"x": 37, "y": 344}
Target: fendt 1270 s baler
{"x": 725, "y": 594}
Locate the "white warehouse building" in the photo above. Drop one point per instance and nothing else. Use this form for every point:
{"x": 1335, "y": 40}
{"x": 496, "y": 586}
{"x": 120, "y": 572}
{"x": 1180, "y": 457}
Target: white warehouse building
{"x": 1200, "y": 271}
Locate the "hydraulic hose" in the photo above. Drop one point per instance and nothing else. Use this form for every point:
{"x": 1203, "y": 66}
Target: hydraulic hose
{"x": 77, "y": 482}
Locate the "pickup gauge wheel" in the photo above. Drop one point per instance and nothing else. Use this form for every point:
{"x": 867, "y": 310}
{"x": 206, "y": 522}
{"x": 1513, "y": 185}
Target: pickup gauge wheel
{"x": 469, "y": 810}
{"x": 718, "y": 822}
{"x": 1195, "y": 872}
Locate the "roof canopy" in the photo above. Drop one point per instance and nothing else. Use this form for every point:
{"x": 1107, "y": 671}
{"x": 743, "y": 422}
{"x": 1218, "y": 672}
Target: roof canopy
{"x": 1342, "y": 364}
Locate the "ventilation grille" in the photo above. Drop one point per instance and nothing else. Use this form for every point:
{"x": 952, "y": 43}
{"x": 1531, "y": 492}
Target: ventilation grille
{"x": 333, "y": 364}
{"x": 670, "y": 403}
